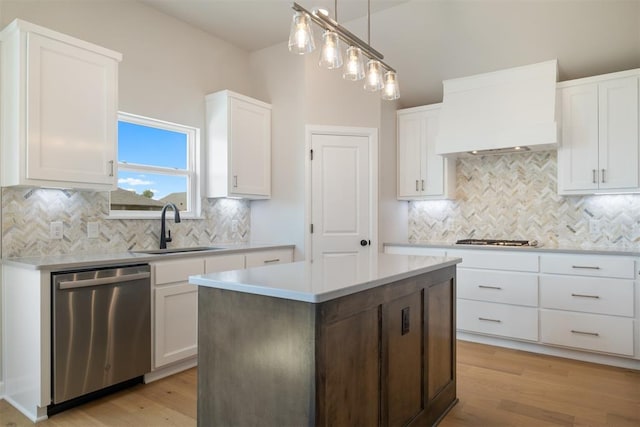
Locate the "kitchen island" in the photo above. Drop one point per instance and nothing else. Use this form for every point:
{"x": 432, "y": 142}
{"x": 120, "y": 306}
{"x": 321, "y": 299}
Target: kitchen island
{"x": 328, "y": 343}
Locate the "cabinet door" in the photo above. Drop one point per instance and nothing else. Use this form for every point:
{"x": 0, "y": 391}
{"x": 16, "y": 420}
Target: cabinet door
{"x": 410, "y": 143}
{"x": 433, "y": 172}
{"x": 176, "y": 323}
{"x": 176, "y": 310}
{"x": 618, "y": 134}
{"x": 250, "y": 151}
{"x": 440, "y": 326}
{"x": 349, "y": 373}
{"x": 402, "y": 334}
{"x": 578, "y": 151}
{"x": 72, "y": 102}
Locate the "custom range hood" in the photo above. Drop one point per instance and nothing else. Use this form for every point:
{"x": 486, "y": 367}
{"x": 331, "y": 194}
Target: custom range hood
{"x": 500, "y": 112}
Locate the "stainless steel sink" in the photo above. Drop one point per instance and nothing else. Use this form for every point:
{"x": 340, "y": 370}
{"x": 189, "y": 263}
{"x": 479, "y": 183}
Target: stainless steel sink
{"x": 178, "y": 250}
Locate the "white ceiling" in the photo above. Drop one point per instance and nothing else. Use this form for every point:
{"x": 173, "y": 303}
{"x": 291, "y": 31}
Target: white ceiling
{"x": 256, "y": 24}
{"x": 428, "y": 41}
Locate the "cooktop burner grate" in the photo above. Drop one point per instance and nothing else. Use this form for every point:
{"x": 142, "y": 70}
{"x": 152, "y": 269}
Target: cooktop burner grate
{"x": 497, "y": 242}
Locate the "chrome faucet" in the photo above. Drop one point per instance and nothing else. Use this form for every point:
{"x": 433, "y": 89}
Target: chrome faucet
{"x": 164, "y": 239}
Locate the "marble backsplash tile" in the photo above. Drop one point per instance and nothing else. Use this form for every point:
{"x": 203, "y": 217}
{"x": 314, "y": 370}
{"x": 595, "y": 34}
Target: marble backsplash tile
{"x": 514, "y": 197}
{"x": 27, "y": 214}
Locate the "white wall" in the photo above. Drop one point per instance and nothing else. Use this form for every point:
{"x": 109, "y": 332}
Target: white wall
{"x": 281, "y": 79}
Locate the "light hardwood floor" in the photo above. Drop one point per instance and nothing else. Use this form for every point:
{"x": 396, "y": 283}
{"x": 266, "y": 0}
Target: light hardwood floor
{"x": 496, "y": 387}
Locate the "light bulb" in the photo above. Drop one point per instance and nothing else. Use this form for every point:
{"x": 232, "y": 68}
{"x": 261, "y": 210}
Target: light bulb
{"x": 373, "y": 78}
{"x": 300, "y": 36}
{"x": 354, "y": 69}
{"x": 330, "y": 55}
{"x": 391, "y": 90}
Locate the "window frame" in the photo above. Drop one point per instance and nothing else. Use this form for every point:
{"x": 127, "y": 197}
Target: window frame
{"x": 192, "y": 173}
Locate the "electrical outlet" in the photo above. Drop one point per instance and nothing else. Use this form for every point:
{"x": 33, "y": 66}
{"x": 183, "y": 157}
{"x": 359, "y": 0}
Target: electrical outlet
{"x": 93, "y": 230}
{"x": 55, "y": 230}
{"x": 594, "y": 226}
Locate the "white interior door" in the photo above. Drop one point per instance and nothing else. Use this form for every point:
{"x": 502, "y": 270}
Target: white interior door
{"x": 343, "y": 200}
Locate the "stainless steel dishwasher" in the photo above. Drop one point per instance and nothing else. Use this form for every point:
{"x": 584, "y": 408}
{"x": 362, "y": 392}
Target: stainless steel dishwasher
{"x": 101, "y": 333}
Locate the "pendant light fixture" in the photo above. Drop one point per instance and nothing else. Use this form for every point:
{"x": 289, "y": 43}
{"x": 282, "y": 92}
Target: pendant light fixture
{"x": 390, "y": 89}
{"x": 300, "y": 36}
{"x": 378, "y": 75}
{"x": 354, "y": 69}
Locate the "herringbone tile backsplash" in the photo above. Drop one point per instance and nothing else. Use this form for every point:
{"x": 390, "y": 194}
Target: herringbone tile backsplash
{"x": 27, "y": 213}
{"x": 514, "y": 197}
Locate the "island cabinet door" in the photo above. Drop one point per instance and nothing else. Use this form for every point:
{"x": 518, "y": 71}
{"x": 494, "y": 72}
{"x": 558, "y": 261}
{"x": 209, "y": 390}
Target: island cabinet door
{"x": 440, "y": 347}
{"x": 349, "y": 370}
{"x": 402, "y": 360}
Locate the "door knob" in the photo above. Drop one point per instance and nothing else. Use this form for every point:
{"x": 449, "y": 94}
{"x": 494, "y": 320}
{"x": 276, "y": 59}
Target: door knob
{"x": 365, "y": 242}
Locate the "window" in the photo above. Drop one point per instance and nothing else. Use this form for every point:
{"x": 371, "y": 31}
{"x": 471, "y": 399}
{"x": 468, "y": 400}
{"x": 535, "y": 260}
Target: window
{"x": 157, "y": 164}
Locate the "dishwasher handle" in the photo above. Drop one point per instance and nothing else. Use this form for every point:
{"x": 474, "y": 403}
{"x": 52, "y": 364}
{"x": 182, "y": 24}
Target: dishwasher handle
{"x": 74, "y": 284}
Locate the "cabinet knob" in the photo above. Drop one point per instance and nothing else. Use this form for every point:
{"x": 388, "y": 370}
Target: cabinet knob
{"x": 603, "y": 176}
{"x": 111, "y": 168}
{"x": 417, "y": 185}
{"x": 365, "y": 242}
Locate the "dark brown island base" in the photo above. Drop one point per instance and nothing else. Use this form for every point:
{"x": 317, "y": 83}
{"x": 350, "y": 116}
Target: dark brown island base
{"x": 291, "y": 345}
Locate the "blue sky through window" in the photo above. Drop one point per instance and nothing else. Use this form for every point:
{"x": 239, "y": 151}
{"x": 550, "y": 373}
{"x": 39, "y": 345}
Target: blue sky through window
{"x": 145, "y": 145}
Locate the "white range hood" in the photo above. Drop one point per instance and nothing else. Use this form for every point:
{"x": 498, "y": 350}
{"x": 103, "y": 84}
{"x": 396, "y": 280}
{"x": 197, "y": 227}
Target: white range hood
{"x": 503, "y": 111}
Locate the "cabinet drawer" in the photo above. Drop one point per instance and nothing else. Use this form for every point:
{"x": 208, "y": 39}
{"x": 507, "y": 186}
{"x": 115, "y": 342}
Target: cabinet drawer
{"x": 278, "y": 256}
{"x": 588, "y": 265}
{"x": 587, "y": 294}
{"x": 177, "y": 271}
{"x": 496, "y": 260}
{"x": 587, "y": 331}
{"x": 498, "y": 286}
{"x": 498, "y": 319}
{"x": 219, "y": 263}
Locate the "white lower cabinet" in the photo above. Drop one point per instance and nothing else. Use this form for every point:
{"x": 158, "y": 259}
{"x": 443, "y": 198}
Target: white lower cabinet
{"x": 176, "y": 310}
{"x": 550, "y": 302}
{"x": 607, "y": 334}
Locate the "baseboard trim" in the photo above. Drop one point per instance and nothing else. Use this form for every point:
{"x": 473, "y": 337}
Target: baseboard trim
{"x": 583, "y": 356}
{"x": 172, "y": 369}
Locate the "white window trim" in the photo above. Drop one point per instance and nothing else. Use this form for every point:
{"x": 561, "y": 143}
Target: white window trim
{"x": 194, "y": 177}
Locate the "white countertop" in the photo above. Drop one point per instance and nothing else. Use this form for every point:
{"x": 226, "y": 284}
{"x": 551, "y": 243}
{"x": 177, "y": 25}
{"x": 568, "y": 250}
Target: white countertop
{"x": 595, "y": 250}
{"x": 69, "y": 261}
{"x": 315, "y": 283}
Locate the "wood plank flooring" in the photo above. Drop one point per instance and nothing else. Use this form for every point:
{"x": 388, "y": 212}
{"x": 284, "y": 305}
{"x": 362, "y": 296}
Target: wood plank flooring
{"x": 496, "y": 387}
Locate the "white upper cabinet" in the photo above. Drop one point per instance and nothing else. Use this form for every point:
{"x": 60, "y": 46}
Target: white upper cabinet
{"x": 600, "y": 149}
{"x": 238, "y": 146}
{"x": 422, "y": 174}
{"x": 59, "y": 110}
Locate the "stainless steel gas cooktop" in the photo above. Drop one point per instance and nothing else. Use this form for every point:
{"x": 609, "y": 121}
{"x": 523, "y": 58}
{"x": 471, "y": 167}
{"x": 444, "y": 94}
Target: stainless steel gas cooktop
{"x": 497, "y": 242}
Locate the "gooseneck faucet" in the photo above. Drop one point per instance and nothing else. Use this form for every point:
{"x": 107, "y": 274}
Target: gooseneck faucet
{"x": 163, "y": 237}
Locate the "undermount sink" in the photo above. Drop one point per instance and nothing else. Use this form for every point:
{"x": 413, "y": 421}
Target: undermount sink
{"x": 177, "y": 250}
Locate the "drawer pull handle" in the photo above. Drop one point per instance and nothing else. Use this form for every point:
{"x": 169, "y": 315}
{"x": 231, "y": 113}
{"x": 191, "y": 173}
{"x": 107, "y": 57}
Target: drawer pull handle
{"x": 586, "y": 296}
{"x": 593, "y": 334}
{"x": 269, "y": 261}
{"x": 586, "y": 267}
{"x": 490, "y": 287}
{"x": 489, "y": 320}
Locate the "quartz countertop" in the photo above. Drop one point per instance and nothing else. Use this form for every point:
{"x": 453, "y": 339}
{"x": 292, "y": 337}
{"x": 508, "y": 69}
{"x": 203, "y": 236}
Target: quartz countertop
{"x": 318, "y": 282}
{"x": 69, "y": 261}
{"x": 595, "y": 250}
